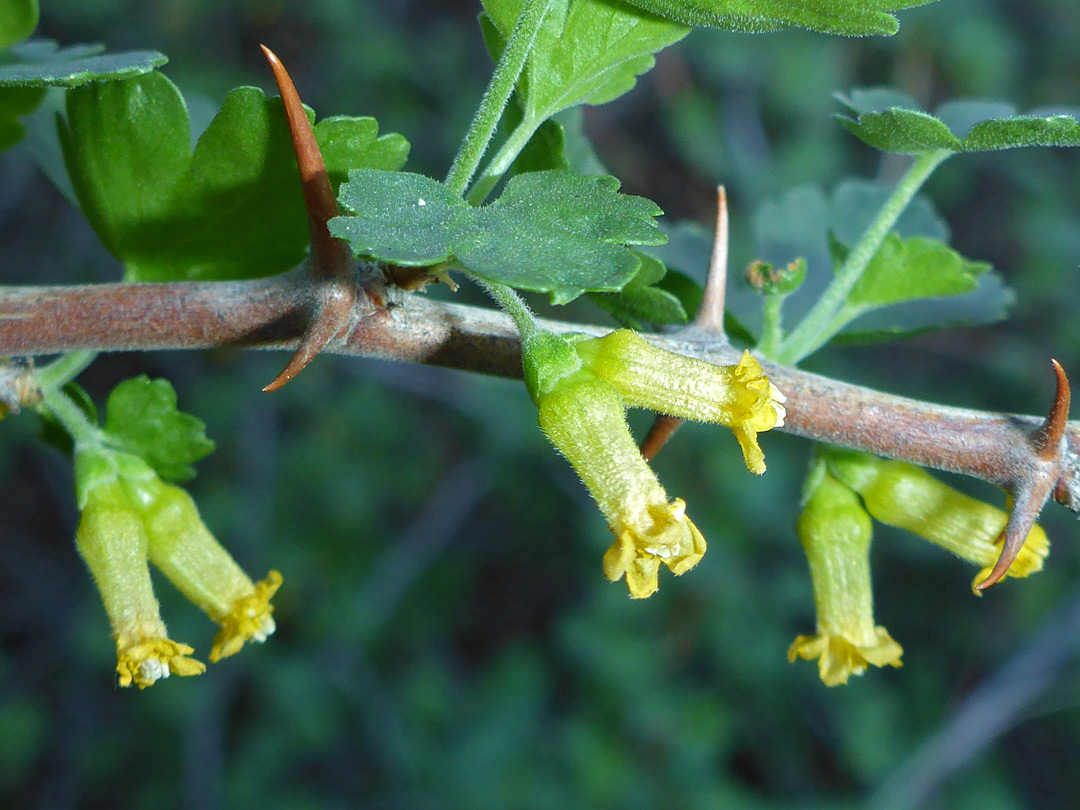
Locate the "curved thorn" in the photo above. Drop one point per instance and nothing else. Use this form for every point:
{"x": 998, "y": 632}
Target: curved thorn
{"x": 1049, "y": 435}
{"x": 710, "y": 317}
{"x": 327, "y": 253}
{"x": 329, "y": 263}
{"x": 1031, "y": 495}
{"x": 663, "y": 428}
{"x": 331, "y": 317}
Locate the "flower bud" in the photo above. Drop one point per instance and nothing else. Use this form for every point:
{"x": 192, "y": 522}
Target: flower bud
{"x": 835, "y": 532}
{"x": 185, "y": 551}
{"x": 131, "y": 517}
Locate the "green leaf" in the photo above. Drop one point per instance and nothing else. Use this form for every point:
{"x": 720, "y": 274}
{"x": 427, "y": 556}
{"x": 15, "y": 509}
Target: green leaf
{"x": 988, "y": 303}
{"x": 233, "y": 209}
{"x": 587, "y": 51}
{"x": 892, "y": 122}
{"x": 640, "y": 304}
{"x": 848, "y": 17}
{"x": 18, "y": 19}
{"x": 141, "y": 417}
{"x": 43, "y": 64}
{"x": 552, "y": 231}
{"x": 906, "y": 269}
{"x": 14, "y": 103}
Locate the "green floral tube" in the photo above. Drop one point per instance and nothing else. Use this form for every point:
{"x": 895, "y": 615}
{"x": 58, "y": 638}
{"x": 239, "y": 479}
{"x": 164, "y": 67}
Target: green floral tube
{"x": 906, "y": 496}
{"x": 739, "y": 396}
{"x": 112, "y": 540}
{"x": 835, "y": 531}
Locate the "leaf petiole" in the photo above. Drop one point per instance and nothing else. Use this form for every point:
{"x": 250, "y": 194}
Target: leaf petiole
{"x": 498, "y": 93}
{"x": 821, "y": 322}
{"x": 64, "y": 369}
{"x": 501, "y": 162}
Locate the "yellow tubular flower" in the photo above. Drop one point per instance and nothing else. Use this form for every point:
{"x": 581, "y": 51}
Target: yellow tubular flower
{"x": 835, "y": 532}
{"x": 908, "y": 497}
{"x": 185, "y": 551}
{"x": 112, "y": 539}
{"x": 645, "y": 376}
{"x": 583, "y": 417}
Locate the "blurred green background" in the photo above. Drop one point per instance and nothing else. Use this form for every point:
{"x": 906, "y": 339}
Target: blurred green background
{"x": 445, "y": 636}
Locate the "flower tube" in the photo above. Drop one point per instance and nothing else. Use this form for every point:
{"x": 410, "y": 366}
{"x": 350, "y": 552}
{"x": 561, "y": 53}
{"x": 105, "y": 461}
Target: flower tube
{"x": 835, "y": 532}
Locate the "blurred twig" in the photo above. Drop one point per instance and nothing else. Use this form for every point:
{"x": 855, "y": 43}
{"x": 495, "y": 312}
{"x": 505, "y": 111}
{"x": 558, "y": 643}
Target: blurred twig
{"x": 995, "y": 707}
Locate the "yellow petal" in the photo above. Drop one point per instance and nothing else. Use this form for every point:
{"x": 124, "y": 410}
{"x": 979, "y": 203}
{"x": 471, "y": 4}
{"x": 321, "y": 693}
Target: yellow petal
{"x": 151, "y": 659}
{"x": 251, "y": 619}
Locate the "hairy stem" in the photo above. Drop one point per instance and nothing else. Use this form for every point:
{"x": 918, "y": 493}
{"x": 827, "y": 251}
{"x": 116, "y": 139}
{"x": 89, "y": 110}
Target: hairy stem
{"x": 64, "y": 369}
{"x": 502, "y": 161}
{"x": 503, "y": 81}
{"x": 71, "y": 417}
{"x": 817, "y": 327}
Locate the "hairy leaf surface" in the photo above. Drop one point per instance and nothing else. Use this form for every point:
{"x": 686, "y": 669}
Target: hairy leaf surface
{"x": 641, "y": 304}
{"x": 893, "y": 122}
{"x": 550, "y": 231}
{"x": 42, "y": 63}
{"x": 848, "y": 17}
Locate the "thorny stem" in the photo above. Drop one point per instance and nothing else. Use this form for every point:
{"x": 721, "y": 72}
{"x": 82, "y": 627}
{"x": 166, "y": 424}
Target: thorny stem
{"x": 270, "y": 313}
{"x": 816, "y": 328}
{"x": 330, "y": 263}
{"x": 710, "y": 317}
{"x": 498, "y": 93}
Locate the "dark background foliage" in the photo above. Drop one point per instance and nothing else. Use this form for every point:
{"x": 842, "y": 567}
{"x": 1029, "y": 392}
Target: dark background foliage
{"x": 446, "y": 639}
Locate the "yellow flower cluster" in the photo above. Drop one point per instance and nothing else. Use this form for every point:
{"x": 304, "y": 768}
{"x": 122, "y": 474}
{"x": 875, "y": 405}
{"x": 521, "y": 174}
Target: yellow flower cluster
{"x": 131, "y": 518}
{"x": 847, "y": 489}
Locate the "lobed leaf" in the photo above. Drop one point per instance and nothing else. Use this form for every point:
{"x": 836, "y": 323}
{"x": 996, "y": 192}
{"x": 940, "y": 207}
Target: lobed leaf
{"x": 141, "y": 417}
{"x": 919, "y": 267}
{"x": 892, "y": 122}
{"x": 233, "y": 209}
{"x": 552, "y": 231}
{"x": 42, "y": 63}
{"x": 641, "y": 304}
{"x": 587, "y": 51}
{"x": 847, "y": 17}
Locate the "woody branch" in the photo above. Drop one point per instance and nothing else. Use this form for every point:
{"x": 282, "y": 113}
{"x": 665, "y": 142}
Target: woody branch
{"x": 273, "y": 313}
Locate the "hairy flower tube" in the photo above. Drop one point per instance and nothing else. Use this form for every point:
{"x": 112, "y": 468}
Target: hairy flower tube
{"x": 185, "y": 551}
{"x": 113, "y": 541}
{"x": 129, "y": 518}
{"x": 835, "y": 532}
{"x": 906, "y": 496}
{"x": 582, "y": 389}
{"x": 739, "y": 396}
